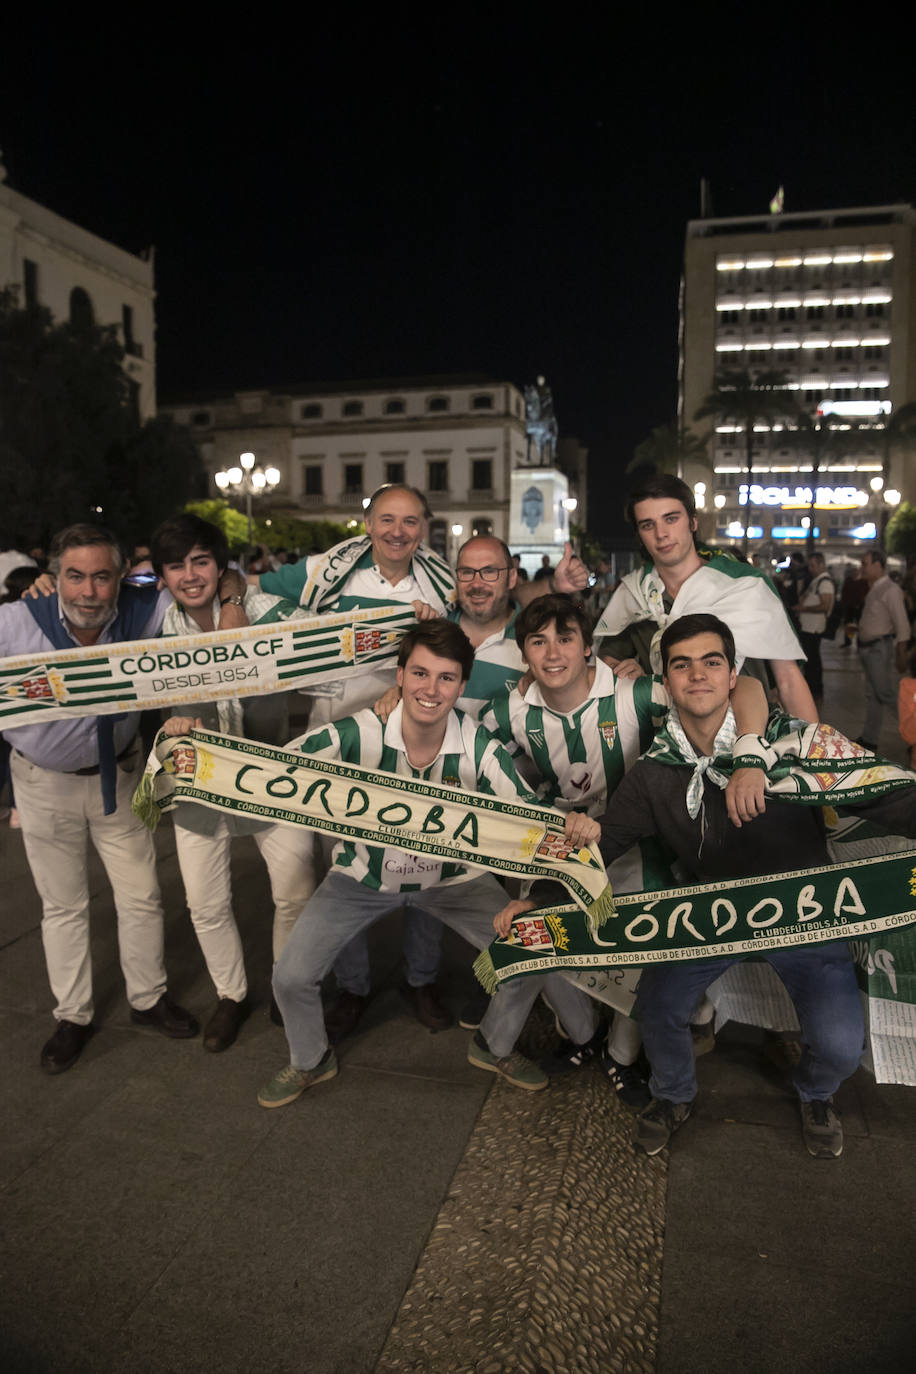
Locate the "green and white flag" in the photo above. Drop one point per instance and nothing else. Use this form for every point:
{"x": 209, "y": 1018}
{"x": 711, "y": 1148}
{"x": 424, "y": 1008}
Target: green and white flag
{"x": 353, "y": 802}
{"x": 742, "y": 596}
{"x": 108, "y": 678}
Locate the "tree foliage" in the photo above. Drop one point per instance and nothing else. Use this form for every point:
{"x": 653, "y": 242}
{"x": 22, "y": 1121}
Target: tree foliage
{"x": 669, "y": 449}
{"x": 232, "y": 523}
{"x": 285, "y": 531}
{"x": 71, "y": 447}
{"x": 900, "y": 535}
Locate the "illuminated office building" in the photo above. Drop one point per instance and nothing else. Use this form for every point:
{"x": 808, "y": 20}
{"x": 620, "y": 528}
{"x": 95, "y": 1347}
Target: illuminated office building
{"x": 827, "y": 298}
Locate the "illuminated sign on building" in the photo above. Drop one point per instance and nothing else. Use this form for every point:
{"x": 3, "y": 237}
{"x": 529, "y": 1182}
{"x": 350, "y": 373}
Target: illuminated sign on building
{"x": 854, "y": 408}
{"x": 797, "y": 498}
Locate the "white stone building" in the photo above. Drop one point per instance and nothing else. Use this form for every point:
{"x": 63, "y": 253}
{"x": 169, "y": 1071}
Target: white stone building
{"x": 456, "y": 439}
{"x": 79, "y": 276}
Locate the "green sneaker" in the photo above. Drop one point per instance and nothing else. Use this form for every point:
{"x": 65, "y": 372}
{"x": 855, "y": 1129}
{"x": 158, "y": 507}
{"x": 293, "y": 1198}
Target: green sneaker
{"x": 291, "y": 1083}
{"x": 514, "y": 1068}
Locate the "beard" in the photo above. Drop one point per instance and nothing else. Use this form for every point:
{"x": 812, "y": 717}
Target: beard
{"x": 90, "y": 616}
{"x": 487, "y": 611}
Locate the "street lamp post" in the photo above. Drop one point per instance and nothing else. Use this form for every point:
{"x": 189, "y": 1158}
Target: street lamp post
{"x": 248, "y": 480}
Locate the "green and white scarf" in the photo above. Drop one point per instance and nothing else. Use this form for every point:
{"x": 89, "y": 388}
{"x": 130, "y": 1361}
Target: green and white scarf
{"x": 706, "y": 921}
{"x": 814, "y": 764}
{"x": 676, "y": 747}
{"x": 349, "y": 801}
{"x": 326, "y": 579}
{"x": 853, "y": 897}
{"x": 260, "y": 609}
{"x": 105, "y": 679}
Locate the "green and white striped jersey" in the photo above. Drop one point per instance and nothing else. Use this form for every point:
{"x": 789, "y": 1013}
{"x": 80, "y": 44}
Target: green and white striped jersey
{"x": 498, "y": 665}
{"x": 582, "y": 755}
{"x": 469, "y": 759}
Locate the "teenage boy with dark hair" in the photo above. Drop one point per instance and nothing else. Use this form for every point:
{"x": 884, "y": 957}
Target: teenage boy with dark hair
{"x": 680, "y": 577}
{"x": 677, "y": 795}
{"x": 190, "y": 555}
{"x": 423, "y": 738}
{"x": 580, "y": 728}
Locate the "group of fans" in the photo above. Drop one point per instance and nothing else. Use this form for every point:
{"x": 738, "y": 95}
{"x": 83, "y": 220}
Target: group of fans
{"x": 488, "y": 694}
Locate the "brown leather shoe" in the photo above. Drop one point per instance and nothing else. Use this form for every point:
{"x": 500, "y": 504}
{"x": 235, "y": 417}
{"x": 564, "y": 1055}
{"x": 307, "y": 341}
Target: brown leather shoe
{"x": 223, "y": 1026}
{"x": 341, "y": 1018}
{"x": 65, "y": 1046}
{"x": 428, "y": 1008}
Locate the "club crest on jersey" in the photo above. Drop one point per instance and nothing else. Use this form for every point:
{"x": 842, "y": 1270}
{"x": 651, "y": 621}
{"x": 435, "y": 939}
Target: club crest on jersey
{"x": 608, "y": 730}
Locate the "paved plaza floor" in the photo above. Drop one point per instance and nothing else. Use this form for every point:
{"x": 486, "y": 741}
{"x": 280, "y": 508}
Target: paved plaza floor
{"x": 414, "y": 1214}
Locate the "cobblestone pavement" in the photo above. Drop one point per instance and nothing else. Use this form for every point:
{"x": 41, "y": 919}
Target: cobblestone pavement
{"x": 547, "y": 1253}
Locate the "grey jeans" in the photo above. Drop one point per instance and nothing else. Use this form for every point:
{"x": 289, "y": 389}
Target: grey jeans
{"x": 341, "y": 907}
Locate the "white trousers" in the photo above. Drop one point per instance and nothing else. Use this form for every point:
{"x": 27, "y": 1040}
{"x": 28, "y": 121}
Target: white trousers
{"x": 205, "y": 870}
{"x": 59, "y": 812}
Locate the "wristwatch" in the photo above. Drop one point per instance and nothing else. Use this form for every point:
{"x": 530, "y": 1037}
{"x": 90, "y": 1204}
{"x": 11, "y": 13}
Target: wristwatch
{"x": 232, "y": 601}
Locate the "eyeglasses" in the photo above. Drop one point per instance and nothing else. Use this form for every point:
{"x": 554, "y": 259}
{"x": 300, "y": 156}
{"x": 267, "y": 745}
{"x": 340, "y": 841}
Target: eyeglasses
{"x": 489, "y": 574}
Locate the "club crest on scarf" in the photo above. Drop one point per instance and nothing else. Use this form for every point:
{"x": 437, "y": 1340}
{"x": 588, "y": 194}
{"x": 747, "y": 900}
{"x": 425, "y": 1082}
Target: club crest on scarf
{"x": 36, "y": 687}
{"x": 540, "y": 933}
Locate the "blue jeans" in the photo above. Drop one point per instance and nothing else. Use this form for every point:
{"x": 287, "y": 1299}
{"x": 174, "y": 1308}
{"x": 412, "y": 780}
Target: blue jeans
{"x": 422, "y": 955}
{"x": 822, "y": 984}
{"x": 879, "y": 663}
{"x": 341, "y": 908}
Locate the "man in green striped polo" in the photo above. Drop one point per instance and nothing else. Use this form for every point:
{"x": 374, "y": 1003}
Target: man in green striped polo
{"x": 424, "y": 739}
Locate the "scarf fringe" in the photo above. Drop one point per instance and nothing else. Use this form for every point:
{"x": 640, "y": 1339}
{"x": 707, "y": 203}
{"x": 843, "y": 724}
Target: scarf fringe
{"x": 602, "y": 909}
{"x": 485, "y": 972}
{"x": 144, "y": 805}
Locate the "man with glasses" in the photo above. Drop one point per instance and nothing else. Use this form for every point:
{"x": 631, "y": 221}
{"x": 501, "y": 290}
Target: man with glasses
{"x": 486, "y": 577}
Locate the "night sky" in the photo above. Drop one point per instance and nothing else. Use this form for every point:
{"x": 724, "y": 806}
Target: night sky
{"x": 445, "y": 191}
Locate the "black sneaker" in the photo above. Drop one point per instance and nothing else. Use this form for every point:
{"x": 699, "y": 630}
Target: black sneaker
{"x": 822, "y": 1129}
{"x": 628, "y": 1081}
{"x": 568, "y": 1056}
{"x": 657, "y": 1123}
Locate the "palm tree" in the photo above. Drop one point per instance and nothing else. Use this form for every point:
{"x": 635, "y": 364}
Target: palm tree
{"x": 748, "y": 399}
{"x": 899, "y": 433}
{"x": 669, "y": 449}
{"x": 815, "y": 437}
